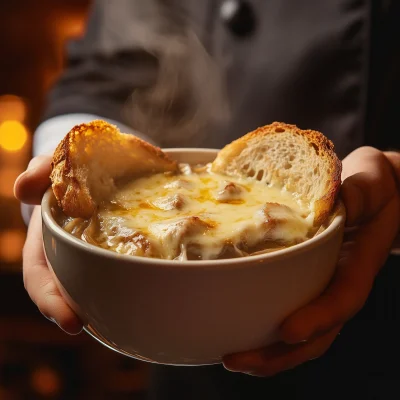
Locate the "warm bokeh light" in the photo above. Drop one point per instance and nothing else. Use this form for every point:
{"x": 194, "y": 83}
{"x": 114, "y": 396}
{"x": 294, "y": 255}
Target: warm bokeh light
{"x": 7, "y": 179}
{"x": 13, "y": 135}
{"x": 71, "y": 26}
{"x": 11, "y": 244}
{"x": 12, "y": 108}
{"x": 46, "y": 381}
{"x": 64, "y": 28}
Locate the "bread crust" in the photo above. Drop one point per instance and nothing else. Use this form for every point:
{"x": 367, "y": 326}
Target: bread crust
{"x": 322, "y": 146}
{"x": 76, "y": 188}
{"x": 71, "y": 185}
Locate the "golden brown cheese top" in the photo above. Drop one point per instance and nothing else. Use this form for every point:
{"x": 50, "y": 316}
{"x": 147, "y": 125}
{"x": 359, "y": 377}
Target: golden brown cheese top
{"x": 196, "y": 214}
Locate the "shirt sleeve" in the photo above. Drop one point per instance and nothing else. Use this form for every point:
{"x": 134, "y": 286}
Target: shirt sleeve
{"x": 105, "y": 66}
{"x": 50, "y": 133}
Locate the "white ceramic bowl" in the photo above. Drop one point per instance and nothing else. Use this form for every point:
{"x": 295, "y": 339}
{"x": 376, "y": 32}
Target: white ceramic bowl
{"x": 191, "y": 312}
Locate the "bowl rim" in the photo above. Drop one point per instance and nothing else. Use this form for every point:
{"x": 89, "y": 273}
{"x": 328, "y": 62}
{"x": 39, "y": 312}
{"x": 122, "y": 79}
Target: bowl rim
{"x": 337, "y": 223}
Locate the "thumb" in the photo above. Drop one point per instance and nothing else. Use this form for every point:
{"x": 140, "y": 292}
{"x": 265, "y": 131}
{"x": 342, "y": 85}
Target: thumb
{"x": 30, "y": 186}
{"x": 394, "y": 159}
{"x": 368, "y": 186}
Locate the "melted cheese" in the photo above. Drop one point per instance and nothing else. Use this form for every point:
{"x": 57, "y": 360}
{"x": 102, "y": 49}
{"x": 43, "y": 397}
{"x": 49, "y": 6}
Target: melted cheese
{"x": 200, "y": 215}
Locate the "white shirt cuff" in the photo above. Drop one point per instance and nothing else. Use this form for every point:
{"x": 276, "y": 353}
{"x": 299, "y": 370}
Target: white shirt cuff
{"x": 50, "y": 133}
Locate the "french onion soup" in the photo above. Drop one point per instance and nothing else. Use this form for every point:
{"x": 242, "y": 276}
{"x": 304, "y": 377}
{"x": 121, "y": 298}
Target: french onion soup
{"x": 192, "y": 212}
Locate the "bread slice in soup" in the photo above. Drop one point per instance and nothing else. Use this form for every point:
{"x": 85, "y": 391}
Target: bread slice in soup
{"x": 272, "y": 188}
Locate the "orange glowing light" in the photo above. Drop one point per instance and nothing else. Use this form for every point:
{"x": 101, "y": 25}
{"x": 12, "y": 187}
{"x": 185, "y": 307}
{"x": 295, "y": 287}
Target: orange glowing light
{"x": 46, "y": 381}
{"x": 7, "y": 179}
{"x": 11, "y": 244}
{"x": 12, "y": 108}
{"x": 13, "y": 135}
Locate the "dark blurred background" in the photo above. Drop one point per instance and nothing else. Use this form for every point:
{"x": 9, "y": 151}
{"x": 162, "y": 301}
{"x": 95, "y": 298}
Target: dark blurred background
{"x": 37, "y": 360}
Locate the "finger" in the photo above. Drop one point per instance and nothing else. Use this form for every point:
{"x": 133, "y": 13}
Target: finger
{"x": 280, "y": 357}
{"x": 30, "y": 186}
{"x": 360, "y": 261}
{"x": 39, "y": 282}
{"x": 394, "y": 159}
{"x": 368, "y": 184}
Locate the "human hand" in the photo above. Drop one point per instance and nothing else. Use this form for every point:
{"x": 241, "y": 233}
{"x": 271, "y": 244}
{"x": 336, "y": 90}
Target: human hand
{"x": 39, "y": 283}
{"x": 371, "y": 196}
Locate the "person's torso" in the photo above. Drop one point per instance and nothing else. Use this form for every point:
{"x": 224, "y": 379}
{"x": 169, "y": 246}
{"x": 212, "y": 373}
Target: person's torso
{"x": 304, "y": 63}
{"x": 323, "y": 65}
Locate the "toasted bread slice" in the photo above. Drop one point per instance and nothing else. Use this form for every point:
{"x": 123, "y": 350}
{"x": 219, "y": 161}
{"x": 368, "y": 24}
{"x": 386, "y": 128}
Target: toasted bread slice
{"x": 92, "y": 158}
{"x": 301, "y": 161}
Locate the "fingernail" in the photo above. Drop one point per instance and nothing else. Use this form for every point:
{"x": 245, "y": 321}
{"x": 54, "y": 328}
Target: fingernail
{"x": 230, "y": 369}
{"x": 242, "y": 367}
{"x": 247, "y": 371}
{"x": 238, "y": 367}
{"x": 256, "y": 374}
{"x": 51, "y": 319}
{"x": 253, "y": 374}
{"x": 16, "y": 183}
{"x": 33, "y": 163}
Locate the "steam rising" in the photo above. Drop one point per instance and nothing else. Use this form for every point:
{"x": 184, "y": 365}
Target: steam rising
{"x": 188, "y": 95}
